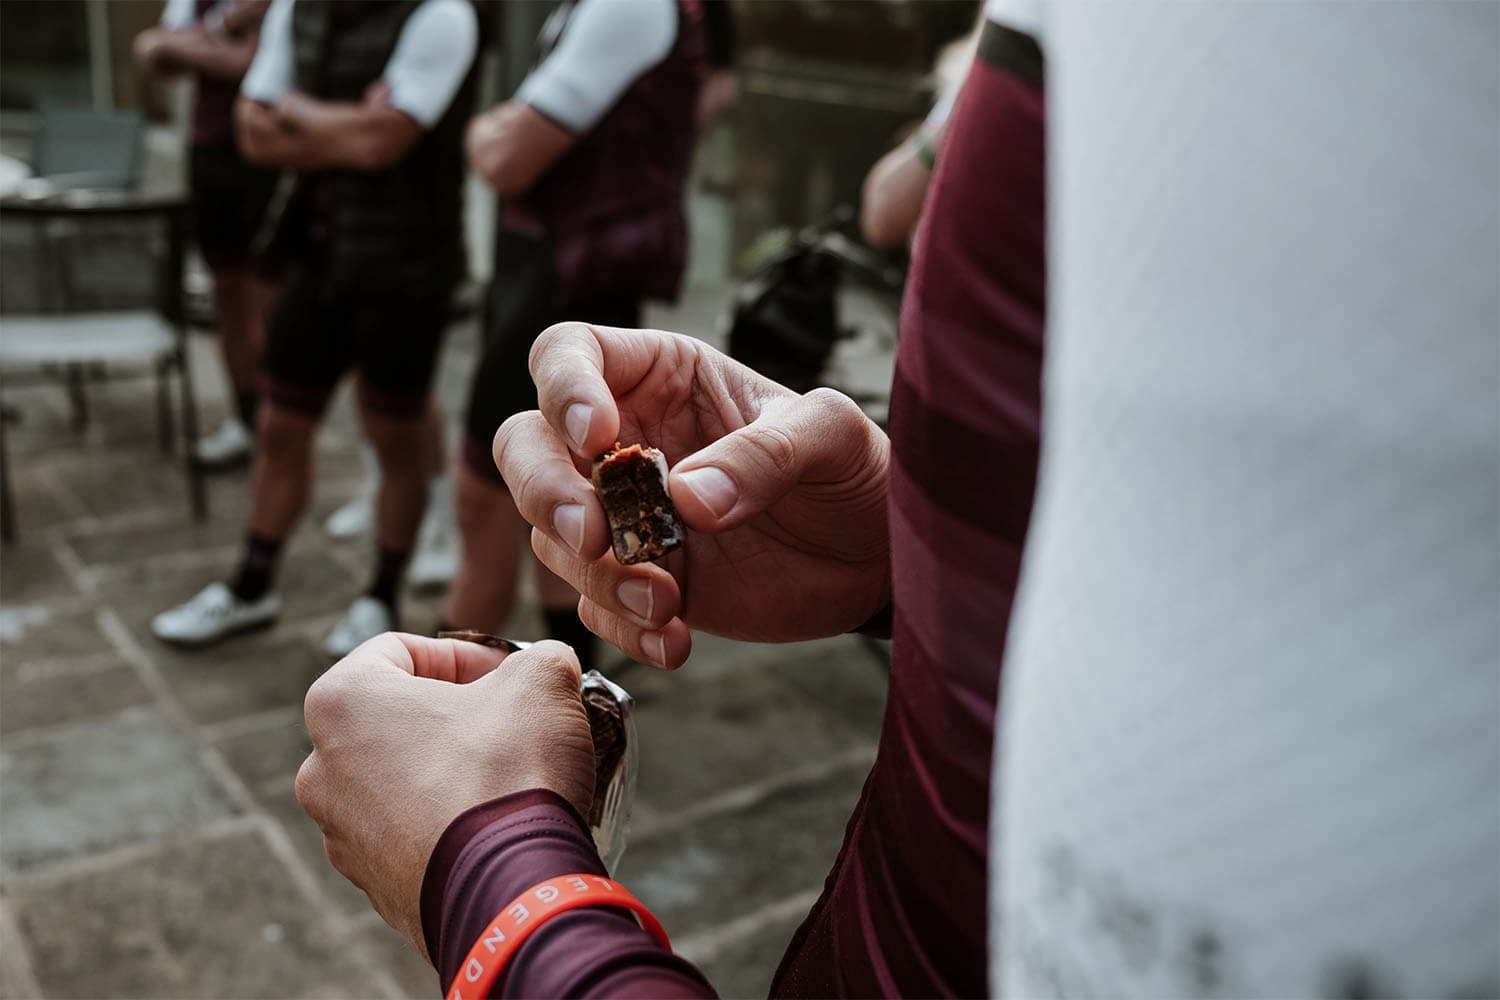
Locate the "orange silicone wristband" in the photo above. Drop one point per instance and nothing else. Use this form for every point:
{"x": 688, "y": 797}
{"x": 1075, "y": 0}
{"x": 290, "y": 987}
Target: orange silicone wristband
{"x": 499, "y": 942}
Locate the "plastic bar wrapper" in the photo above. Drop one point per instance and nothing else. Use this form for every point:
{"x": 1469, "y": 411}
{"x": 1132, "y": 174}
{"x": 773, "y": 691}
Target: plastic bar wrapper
{"x": 611, "y": 713}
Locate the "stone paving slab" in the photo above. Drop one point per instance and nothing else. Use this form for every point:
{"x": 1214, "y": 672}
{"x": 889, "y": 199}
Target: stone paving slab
{"x": 39, "y": 507}
{"x": 200, "y": 918}
{"x": 702, "y": 736}
{"x": 743, "y": 968}
{"x": 47, "y": 631}
{"x": 90, "y": 786}
{"x": 845, "y": 678}
{"x": 307, "y": 840}
{"x": 32, "y": 573}
{"x": 50, "y": 692}
{"x": 269, "y": 754}
{"x": 410, "y": 971}
{"x": 243, "y": 680}
{"x": 126, "y": 546}
{"x": 759, "y": 854}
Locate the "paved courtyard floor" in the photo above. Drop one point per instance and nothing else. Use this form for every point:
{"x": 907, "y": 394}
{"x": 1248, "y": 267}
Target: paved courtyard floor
{"x": 150, "y": 843}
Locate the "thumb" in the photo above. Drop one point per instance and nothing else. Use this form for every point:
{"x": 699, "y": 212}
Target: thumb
{"x": 822, "y": 436}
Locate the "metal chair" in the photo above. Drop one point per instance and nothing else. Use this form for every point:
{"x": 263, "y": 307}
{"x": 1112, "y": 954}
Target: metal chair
{"x": 106, "y": 301}
{"x": 83, "y": 148}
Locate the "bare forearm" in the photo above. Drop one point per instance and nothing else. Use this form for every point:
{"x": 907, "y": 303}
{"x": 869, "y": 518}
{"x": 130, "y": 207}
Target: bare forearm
{"x": 894, "y": 192}
{"x": 512, "y": 145}
{"x": 301, "y": 133}
{"x": 245, "y": 16}
{"x": 265, "y": 140}
{"x": 197, "y": 51}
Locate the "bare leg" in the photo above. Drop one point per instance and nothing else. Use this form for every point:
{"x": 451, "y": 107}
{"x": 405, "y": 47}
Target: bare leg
{"x": 241, "y": 301}
{"x": 399, "y": 445}
{"x": 283, "y": 471}
{"x": 484, "y": 590}
{"x": 436, "y": 451}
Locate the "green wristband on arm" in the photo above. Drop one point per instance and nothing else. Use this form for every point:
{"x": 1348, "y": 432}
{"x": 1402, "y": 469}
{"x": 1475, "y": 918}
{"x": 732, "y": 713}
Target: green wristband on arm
{"x": 925, "y": 152}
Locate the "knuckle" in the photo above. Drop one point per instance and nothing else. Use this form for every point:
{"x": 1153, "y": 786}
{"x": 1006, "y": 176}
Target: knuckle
{"x": 326, "y": 702}
{"x": 305, "y": 785}
{"x": 775, "y": 449}
{"x": 557, "y": 659}
{"x": 527, "y": 485}
{"x": 548, "y": 341}
{"x": 833, "y": 406}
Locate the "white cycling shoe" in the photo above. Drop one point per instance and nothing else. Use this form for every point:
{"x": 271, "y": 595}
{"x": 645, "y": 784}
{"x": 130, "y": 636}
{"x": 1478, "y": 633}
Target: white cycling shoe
{"x": 357, "y": 517}
{"x": 231, "y": 443}
{"x": 214, "y": 613}
{"x": 366, "y": 618}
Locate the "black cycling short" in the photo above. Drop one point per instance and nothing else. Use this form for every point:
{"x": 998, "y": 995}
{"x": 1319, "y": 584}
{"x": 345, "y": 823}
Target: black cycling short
{"x": 229, "y": 203}
{"x": 502, "y": 385}
{"x": 390, "y": 334}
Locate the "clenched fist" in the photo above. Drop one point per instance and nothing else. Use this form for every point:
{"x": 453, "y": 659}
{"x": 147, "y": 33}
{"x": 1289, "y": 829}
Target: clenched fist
{"x": 408, "y": 732}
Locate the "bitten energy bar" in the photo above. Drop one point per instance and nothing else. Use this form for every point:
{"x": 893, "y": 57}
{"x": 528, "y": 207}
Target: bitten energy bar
{"x": 632, "y": 486}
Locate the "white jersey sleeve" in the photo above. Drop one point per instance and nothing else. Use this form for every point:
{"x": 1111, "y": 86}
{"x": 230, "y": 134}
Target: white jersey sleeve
{"x": 1021, "y": 15}
{"x": 432, "y": 57}
{"x": 605, "y": 47}
{"x": 178, "y": 15}
{"x": 269, "y": 77}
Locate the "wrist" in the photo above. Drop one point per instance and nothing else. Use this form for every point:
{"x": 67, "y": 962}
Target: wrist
{"x": 925, "y": 149}
{"x": 488, "y": 855}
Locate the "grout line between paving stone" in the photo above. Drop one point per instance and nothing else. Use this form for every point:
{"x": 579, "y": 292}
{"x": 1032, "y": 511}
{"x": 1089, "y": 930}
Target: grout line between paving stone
{"x": 82, "y": 665}
{"x": 706, "y": 945}
{"x": 74, "y": 566}
{"x": 15, "y": 954}
{"x": 244, "y": 725}
{"x": 65, "y": 496}
{"x": 167, "y": 562}
{"x": 744, "y": 796}
{"x": 93, "y": 524}
{"x": 275, "y": 838}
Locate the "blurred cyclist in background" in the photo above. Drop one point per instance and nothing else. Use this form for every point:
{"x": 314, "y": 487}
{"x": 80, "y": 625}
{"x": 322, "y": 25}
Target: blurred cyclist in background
{"x": 368, "y": 102}
{"x": 214, "y": 41}
{"x": 591, "y": 159}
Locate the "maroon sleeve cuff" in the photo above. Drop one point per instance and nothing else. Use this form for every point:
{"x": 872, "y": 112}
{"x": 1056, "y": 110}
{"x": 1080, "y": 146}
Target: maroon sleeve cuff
{"x": 494, "y": 852}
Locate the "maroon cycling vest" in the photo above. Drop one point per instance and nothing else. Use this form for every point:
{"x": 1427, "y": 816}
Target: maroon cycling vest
{"x": 612, "y": 205}
{"x": 213, "y": 99}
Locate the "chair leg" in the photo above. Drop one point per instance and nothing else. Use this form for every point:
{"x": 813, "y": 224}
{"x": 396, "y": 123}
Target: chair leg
{"x": 7, "y": 499}
{"x": 196, "y": 490}
{"x": 78, "y": 393}
{"x": 166, "y": 428}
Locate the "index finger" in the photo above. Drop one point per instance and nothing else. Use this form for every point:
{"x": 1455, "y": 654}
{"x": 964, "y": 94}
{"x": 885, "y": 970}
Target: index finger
{"x": 577, "y": 368}
{"x": 448, "y": 660}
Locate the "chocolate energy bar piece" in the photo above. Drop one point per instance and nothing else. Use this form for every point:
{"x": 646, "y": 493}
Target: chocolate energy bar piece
{"x": 632, "y": 485}
{"x": 485, "y": 639}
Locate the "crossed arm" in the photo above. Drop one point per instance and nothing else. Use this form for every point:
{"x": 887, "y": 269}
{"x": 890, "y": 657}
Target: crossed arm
{"x": 513, "y": 144}
{"x": 225, "y": 54}
{"x": 300, "y": 132}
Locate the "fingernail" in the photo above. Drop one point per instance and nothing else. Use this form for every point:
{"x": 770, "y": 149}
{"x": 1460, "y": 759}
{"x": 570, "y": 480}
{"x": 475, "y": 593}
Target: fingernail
{"x": 655, "y": 646}
{"x": 637, "y": 597}
{"x": 567, "y": 521}
{"x": 712, "y": 487}
{"x": 577, "y": 420}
